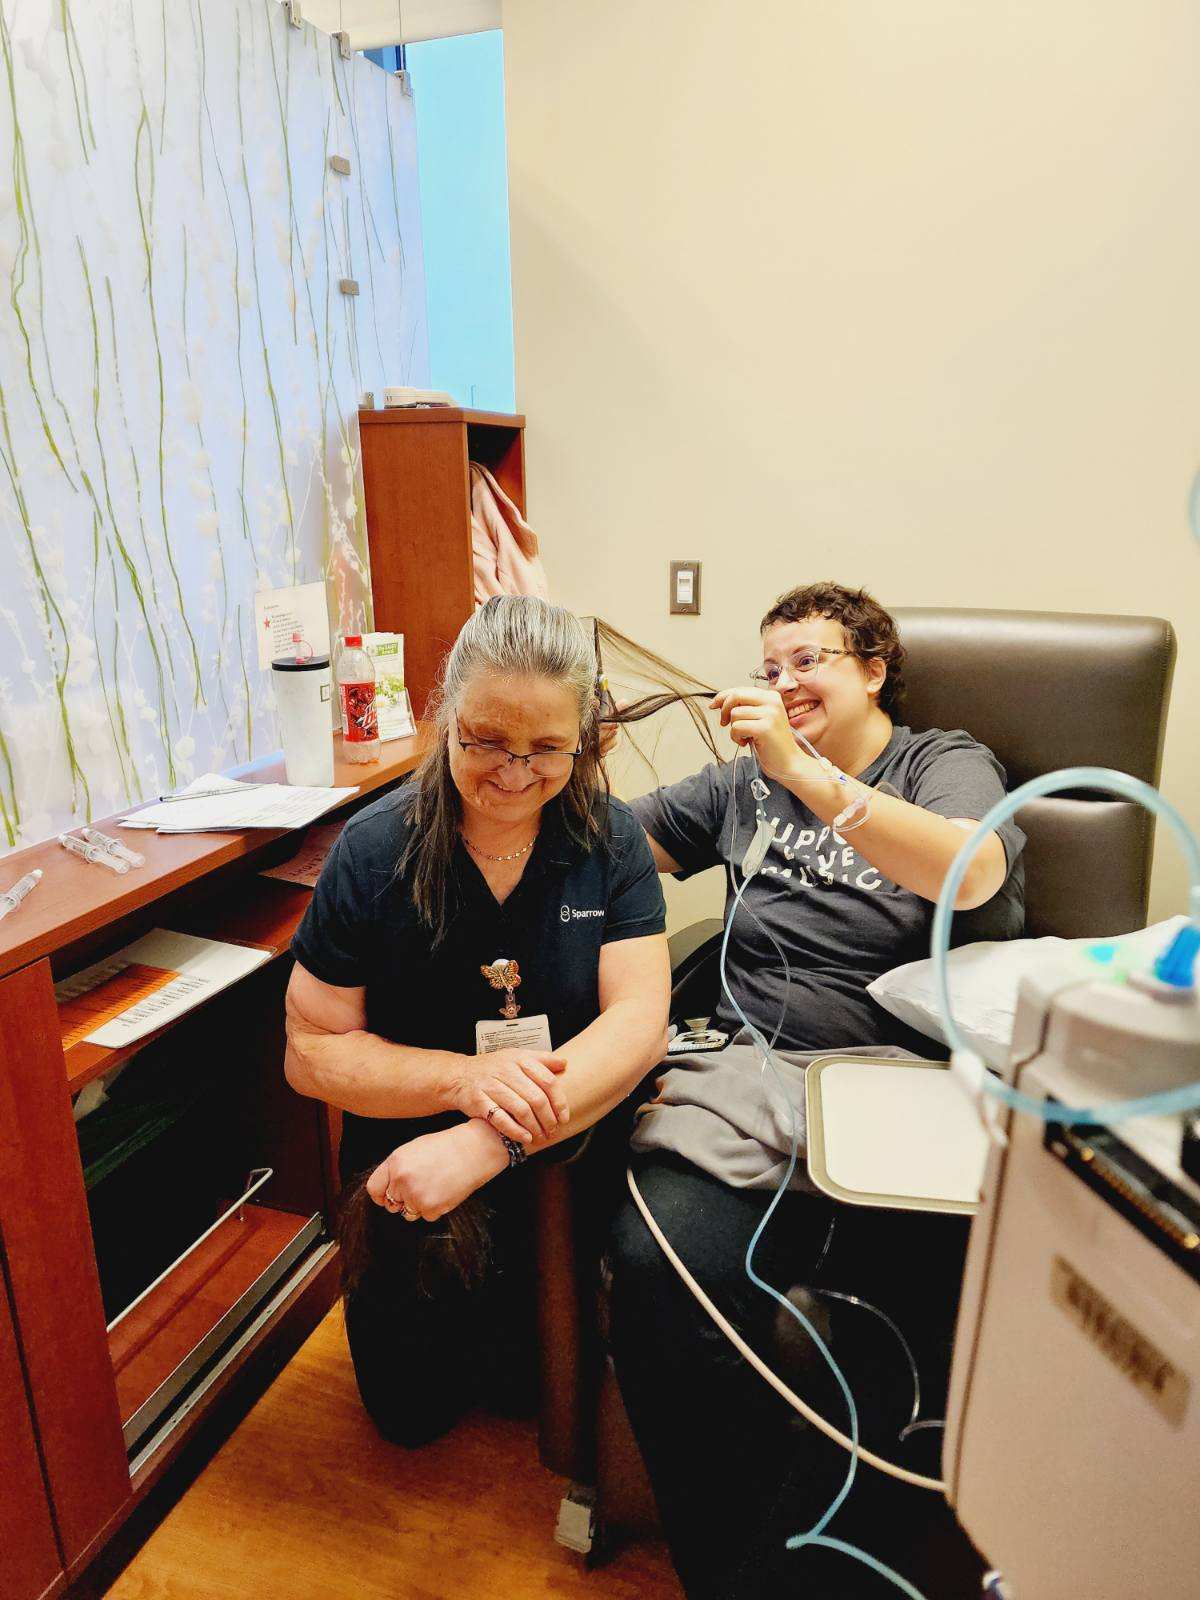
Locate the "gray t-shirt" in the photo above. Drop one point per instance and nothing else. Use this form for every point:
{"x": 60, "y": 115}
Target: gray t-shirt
{"x": 839, "y": 922}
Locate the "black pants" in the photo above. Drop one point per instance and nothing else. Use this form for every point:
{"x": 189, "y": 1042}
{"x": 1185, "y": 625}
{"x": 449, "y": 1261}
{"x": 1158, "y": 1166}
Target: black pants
{"x": 735, "y": 1471}
{"x": 425, "y": 1347}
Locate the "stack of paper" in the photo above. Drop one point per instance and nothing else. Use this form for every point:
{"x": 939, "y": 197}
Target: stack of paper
{"x": 149, "y": 983}
{"x": 220, "y": 804}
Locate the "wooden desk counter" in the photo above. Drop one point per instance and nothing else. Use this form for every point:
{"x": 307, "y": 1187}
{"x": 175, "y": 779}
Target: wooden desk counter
{"x": 77, "y": 898}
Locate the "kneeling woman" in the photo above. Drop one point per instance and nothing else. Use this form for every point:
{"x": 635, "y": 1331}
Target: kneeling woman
{"x": 482, "y": 973}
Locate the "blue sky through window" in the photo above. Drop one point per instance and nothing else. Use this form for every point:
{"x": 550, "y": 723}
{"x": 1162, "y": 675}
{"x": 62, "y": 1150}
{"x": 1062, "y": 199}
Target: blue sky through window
{"x": 458, "y": 88}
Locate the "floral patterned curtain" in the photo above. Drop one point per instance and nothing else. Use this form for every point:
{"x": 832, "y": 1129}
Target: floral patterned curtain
{"x": 180, "y": 368}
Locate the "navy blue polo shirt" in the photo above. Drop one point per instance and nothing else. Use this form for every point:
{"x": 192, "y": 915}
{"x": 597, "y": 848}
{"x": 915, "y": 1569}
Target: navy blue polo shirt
{"x": 362, "y": 930}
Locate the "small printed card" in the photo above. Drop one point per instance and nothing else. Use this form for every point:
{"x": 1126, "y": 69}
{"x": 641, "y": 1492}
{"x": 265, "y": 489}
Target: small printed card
{"x": 517, "y": 1033}
{"x": 112, "y": 996}
{"x": 280, "y": 613}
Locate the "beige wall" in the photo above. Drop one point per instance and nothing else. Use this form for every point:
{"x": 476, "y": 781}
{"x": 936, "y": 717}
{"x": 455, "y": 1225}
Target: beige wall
{"x": 905, "y": 294}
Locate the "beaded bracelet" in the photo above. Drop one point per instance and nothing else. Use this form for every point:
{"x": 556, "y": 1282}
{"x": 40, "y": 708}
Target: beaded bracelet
{"x": 517, "y": 1154}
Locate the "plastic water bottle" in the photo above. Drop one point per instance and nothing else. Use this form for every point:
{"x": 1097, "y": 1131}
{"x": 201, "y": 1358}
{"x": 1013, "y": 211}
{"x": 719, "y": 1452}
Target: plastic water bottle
{"x": 356, "y": 693}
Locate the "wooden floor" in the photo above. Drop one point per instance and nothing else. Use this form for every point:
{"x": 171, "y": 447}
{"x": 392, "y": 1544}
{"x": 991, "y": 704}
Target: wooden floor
{"x": 306, "y": 1502}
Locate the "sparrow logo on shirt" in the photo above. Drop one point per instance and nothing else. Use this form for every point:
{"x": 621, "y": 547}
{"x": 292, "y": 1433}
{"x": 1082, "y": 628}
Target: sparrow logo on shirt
{"x": 568, "y": 912}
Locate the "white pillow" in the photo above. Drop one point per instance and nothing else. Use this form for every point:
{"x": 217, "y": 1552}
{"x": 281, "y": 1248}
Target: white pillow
{"x": 984, "y": 979}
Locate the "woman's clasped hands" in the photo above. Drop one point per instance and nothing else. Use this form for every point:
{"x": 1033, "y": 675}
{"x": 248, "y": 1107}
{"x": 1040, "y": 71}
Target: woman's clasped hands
{"x": 514, "y": 1093}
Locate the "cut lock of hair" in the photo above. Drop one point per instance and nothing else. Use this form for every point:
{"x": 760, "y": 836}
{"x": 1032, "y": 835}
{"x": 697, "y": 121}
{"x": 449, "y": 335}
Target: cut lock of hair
{"x": 457, "y": 1248}
{"x": 635, "y": 663}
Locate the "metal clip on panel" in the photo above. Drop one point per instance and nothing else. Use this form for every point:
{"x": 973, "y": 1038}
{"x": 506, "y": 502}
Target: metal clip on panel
{"x": 255, "y": 1181}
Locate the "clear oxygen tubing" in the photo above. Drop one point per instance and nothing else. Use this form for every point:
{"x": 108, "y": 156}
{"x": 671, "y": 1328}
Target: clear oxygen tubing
{"x": 904, "y": 1474}
{"x": 858, "y": 799}
{"x": 962, "y": 1056}
{"x": 815, "y": 1535}
{"x": 863, "y": 803}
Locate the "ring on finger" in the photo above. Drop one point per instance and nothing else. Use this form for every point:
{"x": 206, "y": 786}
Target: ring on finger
{"x": 492, "y": 1113}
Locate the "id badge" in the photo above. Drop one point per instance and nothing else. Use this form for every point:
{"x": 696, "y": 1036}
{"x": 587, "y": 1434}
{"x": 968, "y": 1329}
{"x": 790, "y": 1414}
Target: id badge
{"x": 512, "y": 1033}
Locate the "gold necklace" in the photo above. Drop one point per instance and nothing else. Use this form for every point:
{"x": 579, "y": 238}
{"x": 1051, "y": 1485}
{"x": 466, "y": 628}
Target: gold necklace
{"x": 515, "y": 856}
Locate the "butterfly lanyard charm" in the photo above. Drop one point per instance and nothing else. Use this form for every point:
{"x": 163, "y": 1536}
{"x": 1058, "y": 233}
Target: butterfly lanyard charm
{"x": 506, "y": 975}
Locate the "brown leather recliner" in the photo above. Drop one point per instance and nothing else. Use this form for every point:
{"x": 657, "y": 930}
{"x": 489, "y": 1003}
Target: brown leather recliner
{"x": 1043, "y": 690}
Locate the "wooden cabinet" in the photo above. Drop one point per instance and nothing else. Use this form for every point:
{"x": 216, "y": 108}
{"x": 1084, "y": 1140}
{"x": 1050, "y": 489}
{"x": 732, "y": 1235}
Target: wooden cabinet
{"x": 418, "y": 503}
{"x": 30, "y": 1564}
{"x": 125, "y": 1314}
{"x": 52, "y": 1272}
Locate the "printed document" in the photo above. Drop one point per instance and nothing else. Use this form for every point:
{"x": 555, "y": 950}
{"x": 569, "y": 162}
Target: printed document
{"x": 234, "y": 806}
{"x": 151, "y": 982}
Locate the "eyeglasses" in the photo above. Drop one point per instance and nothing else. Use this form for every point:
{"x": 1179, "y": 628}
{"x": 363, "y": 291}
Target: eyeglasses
{"x": 542, "y": 763}
{"x": 802, "y": 665}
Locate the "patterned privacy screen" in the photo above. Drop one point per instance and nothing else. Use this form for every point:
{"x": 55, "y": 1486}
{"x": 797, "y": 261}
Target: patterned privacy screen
{"x": 181, "y": 358}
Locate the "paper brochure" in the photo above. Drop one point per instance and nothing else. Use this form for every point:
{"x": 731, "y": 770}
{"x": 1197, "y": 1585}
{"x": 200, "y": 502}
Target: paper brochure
{"x": 151, "y": 982}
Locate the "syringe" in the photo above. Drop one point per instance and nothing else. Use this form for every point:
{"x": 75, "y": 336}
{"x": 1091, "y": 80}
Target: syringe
{"x": 114, "y": 847}
{"x": 92, "y": 852}
{"x": 11, "y": 898}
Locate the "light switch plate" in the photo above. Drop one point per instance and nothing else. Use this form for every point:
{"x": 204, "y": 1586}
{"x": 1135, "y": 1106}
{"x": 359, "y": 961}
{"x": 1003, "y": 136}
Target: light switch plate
{"x": 685, "y": 589}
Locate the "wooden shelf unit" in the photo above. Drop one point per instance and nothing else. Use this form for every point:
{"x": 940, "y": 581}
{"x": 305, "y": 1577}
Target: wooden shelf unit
{"x": 30, "y": 1558}
{"x": 418, "y": 502}
{"x": 77, "y": 1387}
{"x": 266, "y": 923}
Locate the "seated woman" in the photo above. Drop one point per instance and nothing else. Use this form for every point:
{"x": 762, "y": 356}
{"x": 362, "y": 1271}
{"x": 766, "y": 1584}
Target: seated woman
{"x": 729, "y": 1470}
{"x": 482, "y": 972}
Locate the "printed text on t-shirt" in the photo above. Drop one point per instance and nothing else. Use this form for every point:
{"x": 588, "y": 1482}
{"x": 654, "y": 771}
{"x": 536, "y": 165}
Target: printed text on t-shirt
{"x": 819, "y": 856}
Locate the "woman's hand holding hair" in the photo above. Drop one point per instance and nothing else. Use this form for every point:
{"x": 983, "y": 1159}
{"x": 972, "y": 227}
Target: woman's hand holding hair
{"x": 757, "y": 716}
{"x": 904, "y": 842}
{"x": 516, "y": 1092}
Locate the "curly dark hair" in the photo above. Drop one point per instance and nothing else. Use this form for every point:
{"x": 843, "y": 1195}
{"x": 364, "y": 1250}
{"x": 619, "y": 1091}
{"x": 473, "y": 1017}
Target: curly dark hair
{"x": 870, "y": 630}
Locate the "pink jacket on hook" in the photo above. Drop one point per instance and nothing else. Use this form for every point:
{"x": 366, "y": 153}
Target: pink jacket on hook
{"x": 504, "y": 546}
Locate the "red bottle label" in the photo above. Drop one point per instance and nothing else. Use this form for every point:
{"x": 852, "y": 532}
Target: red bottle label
{"x": 359, "y": 720}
